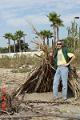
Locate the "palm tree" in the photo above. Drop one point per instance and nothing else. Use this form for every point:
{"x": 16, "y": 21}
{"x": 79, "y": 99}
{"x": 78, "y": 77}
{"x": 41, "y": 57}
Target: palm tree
{"x": 42, "y": 33}
{"x": 46, "y": 35}
{"x": 56, "y": 23}
{"x": 59, "y": 23}
{"x": 14, "y": 38}
{"x": 19, "y": 34}
{"x": 8, "y": 36}
{"x": 24, "y": 40}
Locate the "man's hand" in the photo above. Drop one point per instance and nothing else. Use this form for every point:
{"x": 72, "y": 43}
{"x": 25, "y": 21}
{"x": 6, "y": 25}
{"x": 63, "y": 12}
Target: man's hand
{"x": 66, "y": 64}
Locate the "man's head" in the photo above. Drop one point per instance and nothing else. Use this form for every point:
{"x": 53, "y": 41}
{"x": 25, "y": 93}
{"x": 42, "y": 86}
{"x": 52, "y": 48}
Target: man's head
{"x": 59, "y": 44}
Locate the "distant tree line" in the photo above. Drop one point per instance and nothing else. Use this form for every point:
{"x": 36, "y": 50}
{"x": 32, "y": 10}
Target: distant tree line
{"x": 19, "y": 42}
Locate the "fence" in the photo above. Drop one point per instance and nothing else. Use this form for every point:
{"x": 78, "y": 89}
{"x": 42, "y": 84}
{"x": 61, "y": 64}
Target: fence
{"x": 21, "y": 53}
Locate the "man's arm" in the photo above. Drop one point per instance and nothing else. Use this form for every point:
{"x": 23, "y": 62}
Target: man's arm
{"x": 72, "y": 56}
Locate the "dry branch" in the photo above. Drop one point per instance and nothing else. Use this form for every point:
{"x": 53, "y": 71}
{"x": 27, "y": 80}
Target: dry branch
{"x": 60, "y": 115}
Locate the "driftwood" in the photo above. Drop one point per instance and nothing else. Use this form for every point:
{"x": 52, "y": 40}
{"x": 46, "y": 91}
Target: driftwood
{"x": 60, "y": 115}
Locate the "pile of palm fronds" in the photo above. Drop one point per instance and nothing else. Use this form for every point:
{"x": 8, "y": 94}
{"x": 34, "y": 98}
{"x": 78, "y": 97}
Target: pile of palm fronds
{"x": 74, "y": 83}
{"x": 41, "y": 79}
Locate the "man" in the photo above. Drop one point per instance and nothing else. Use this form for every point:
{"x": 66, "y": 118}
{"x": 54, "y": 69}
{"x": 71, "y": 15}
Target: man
{"x": 62, "y": 59}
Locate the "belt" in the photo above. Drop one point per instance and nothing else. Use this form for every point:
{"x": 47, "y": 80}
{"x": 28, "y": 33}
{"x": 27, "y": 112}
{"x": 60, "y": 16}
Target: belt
{"x": 61, "y": 65}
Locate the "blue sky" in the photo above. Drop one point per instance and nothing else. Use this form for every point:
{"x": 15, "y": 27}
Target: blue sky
{"x": 15, "y": 13}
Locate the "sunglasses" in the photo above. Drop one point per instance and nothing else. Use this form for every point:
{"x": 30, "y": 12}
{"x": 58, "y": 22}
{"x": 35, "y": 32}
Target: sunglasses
{"x": 59, "y": 43}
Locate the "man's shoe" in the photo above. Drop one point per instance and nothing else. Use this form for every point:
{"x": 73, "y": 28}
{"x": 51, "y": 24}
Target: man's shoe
{"x": 64, "y": 99}
{"x": 57, "y": 98}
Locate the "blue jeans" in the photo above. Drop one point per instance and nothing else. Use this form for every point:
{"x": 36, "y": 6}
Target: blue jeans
{"x": 61, "y": 74}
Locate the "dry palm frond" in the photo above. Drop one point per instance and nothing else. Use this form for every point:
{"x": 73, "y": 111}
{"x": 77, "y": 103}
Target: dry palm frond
{"x": 35, "y": 31}
{"x": 43, "y": 48}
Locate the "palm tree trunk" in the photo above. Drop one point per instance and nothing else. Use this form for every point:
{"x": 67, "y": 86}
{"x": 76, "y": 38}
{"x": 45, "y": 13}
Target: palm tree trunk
{"x": 48, "y": 41}
{"x": 57, "y": 33}
{"x": 54, "y": 34}
{"x": 43, "y": 41}
{"x": 9, "y": 46}
{"x": 24, "y": 42}
{"x": 14, "y": 47}
{"x": 19, "y": 45}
